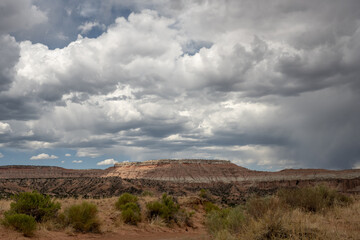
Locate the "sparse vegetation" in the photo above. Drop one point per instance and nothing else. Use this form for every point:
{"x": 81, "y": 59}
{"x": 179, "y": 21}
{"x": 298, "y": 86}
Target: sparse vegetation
{"x": 203, "y": 194}
{"x": 130, "y": 210}
{"x": 230, "y": 219}
{"x": 166, "y": 208}
{"x": 277, "y": 217}
{"x": 27, "y": 209}
{"x": 147, "y": 193}
{"x": 34, "y": 204}
{"x": 21, "y": 222}
{"x": 270, "y": 217}
{"x": 209, "y": 206}
{"x": 313, "y": 199}
{"x": 130, "y": 213}
{"x": 82, "y": 217}
{"x": 124, "y": 199}
{"x": 257, "y": 207}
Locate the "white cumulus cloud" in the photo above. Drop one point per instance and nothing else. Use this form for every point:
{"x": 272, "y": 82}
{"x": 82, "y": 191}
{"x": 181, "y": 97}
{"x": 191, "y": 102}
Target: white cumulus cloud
{"x": 77, "y": 161}
{"x": 4, "y": 128}
{"x": 110, "y": 161}
{"x": 86, "y": 27}
{"x": 43, "y": 156}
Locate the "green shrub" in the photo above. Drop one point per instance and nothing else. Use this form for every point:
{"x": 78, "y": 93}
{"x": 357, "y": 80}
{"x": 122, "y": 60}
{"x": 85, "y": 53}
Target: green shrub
{"x": 124, "y": 199}
{"x": 203, "y": 193}
{"x": 35, "y": 204}
{"x": 130, "y": 213}
{"x": 154, "y": 209}
{"x": 231, "y": 219}
{"x": 147, "y": 193}
{"x": 209, "y": 206}
{"x": 130, "y": 205}
{"x": 216, "y": 221}
{"x": 313, "y": 199}
{"x": 82, "y": 217}
{"x": 130, "y": 210}
{"x": 21, "y": 222}
{"x": 166, "y": 208}
{"x": 170, "y": 207}
{"x": 235, "y": 220}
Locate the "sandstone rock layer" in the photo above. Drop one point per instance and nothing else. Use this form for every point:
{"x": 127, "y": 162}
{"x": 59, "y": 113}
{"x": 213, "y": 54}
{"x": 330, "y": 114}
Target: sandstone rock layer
{"x": 223, "y": 179}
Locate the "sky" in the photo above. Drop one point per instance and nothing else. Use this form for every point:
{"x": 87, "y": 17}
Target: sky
{"x": 266, "y": 84}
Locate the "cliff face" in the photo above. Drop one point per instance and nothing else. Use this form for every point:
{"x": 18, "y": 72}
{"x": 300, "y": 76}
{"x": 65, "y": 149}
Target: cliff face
{"x": 223, "y": 179}
{"x": 187, "y": 170}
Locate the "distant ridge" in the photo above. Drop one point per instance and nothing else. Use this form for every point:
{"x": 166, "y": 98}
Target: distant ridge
{"x": 170, "y": 161}
{"x": 223, "y": 178}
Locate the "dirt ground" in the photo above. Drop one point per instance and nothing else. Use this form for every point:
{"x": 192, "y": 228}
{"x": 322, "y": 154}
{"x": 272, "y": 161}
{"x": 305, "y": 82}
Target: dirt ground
{"x": 6, "y": 234}
{"x": 112, "y": 228}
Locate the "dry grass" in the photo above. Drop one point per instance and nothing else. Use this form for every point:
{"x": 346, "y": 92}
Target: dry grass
{"x": 275, "y": 221}
{"x": 4, "y": 206}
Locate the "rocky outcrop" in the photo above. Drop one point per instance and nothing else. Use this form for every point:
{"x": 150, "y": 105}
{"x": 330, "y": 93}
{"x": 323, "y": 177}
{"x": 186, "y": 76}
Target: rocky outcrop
{"x": 187, "y": 170}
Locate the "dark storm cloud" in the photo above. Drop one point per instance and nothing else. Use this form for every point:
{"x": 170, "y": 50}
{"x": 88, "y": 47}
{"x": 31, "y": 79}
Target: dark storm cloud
{"x": 9, "y": 52}
{"x": 231, "y": 137}
{"x": 324, "y": 127}
{"x": 13, "y": 108}
{"x": 258, "y": 82}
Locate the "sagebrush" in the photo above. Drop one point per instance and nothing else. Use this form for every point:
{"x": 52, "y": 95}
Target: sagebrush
{"x": 21, "y": 222}
{"x": 34, "y": 204}
{"x": 82, "y": 217}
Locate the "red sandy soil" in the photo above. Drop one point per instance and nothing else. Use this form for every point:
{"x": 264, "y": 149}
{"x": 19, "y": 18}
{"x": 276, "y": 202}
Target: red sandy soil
{"x": 112, "y": 227}
{"x": 6, "y": 234}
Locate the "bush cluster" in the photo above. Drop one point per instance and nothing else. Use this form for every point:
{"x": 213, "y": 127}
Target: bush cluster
{"x": 268, "y": 217}
{"x": 124, "y": 199}
{"x": 209, "y": 206}
{"x": 166, "y": 208}
{"x": 29, "y": 208}
{"x": 229, "y": 219}
{"x": 130, "y": 210}
{"x": 82, "y": 217}
{"x": 21, "y": 222}
{"x": 34, "y": 204}
{"x": 313, "y": 199}
{"x": 257, "y": 207}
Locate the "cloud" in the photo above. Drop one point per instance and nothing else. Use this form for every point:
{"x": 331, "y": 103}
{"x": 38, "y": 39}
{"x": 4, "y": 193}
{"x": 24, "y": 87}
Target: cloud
{"x": 1, "y": 155}
{"x": 107, "y": 162}
{"x": 88, "y": 152}
{"x": 268, "y": 84}
{"x": 77, "y": 161}
{"x": 9, "y": 51}
{"x": 18, "y": 15}
{"x": 86, "y": 27}
{"x": 43, "y": 156}
{"x": 5, "y": 128}
{"x": 67, "y": 155}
